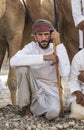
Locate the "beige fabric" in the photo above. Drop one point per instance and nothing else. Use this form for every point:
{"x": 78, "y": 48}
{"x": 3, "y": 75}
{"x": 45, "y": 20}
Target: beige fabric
{"x": 77, "y": 111}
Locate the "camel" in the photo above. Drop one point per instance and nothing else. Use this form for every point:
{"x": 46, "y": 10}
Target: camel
{"x": 15, "y": 29}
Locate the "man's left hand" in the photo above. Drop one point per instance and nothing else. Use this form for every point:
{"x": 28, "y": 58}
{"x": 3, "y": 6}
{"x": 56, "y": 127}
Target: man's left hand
{"x": 81, "y": 76}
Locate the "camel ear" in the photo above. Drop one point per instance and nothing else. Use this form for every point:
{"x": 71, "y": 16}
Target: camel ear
{"x": 2, "y": 7}
{"x": 77, "y": 111}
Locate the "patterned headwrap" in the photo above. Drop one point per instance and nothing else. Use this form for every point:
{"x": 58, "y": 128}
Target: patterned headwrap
{"x": 42, "y": 25}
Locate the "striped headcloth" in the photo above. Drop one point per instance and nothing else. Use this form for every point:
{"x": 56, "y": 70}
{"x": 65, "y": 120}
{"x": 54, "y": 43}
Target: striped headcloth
{"x": 42, "y": 25}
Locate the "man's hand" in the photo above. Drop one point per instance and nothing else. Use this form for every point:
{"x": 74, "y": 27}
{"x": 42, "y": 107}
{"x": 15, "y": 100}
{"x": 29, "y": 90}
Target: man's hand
{"x": 55, "y": 36}
{"x": 81, "y": 76}
{"x": 52, "y": 58}
{"x": 80, "y": 97}
{"x": 81, "y": 25}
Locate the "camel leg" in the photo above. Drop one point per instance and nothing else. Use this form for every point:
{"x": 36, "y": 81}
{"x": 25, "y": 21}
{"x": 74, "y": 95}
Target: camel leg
{"x": 12, "y": 84}
{"x": 14, "y": 45}
{"x": 11, "y": 29}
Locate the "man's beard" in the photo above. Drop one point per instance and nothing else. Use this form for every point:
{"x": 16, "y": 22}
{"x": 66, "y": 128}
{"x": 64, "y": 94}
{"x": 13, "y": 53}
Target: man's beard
{"x": 44, "y": 47}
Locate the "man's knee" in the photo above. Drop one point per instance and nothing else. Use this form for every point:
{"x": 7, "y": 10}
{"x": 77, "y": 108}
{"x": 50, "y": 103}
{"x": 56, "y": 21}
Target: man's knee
{"x": 22, "y": 69}
{"x": 53, "y": 113}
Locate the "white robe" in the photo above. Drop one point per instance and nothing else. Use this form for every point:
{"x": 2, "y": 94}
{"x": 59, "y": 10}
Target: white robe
{"x": 45, "y": 74}
{"x": 78, "y": 16}
{"x": 76, "y": 66}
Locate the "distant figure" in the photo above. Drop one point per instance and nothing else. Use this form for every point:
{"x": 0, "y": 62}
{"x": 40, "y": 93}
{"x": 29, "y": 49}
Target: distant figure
{"x": 78, "y": 17}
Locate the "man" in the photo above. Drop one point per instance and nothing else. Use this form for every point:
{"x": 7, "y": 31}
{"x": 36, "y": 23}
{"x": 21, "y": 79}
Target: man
{"x": 78, "y": 17}
{"x": 36, "y": 71}
{"x": 76, "y": 85}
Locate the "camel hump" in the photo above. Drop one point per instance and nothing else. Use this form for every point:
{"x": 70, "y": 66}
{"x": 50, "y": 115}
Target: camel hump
{"x": 2, "y": 7}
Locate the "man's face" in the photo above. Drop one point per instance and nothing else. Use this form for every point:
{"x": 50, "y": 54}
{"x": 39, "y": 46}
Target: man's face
{"x": 43, "y": 39}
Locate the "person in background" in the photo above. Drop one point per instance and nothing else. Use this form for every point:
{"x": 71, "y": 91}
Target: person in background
{"x": 76, "y": 85}
{"x": 78, "y": 17}
{"x": 36, "y": 71}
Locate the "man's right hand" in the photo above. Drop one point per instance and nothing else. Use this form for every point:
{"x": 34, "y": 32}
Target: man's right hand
{"x": 52, "y": 58}
{"x": 81, "y": 25}
{"x": 80, "y": 97}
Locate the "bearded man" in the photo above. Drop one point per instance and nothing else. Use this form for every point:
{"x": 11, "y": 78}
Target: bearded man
{"x": 36, "y": 71}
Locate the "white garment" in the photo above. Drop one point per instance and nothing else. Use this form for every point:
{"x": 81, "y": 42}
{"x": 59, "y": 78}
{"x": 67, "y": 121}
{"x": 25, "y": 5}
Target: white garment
{"x": 76, "y": 66}
{"x": 45, "y": 74}
{"x": 78, "y": 16}
{"x": 32, "y": 55}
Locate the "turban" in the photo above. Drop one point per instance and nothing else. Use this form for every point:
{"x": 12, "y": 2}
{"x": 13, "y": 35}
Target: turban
{"x": 42, "y": 25}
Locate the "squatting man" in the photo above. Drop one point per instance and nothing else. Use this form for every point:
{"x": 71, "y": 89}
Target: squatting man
{"x": 76, "y": 80}
{"x": 76, "y": 85}
{"x": 36, "y": 71}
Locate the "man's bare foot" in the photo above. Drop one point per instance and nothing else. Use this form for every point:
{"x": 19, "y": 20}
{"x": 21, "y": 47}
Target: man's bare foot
{"x": 27, "y": 111}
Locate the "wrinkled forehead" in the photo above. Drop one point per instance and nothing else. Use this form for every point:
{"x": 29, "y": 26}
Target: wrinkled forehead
{"x": 43, "y": 33}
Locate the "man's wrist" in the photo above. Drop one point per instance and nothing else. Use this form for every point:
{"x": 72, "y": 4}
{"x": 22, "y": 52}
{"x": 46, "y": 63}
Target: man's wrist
{"x": 46, "y": 57}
